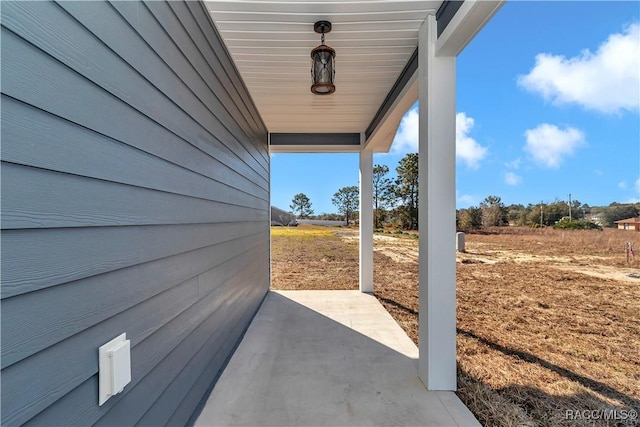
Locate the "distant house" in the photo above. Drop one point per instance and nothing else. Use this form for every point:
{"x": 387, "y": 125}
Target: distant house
{"x": 596, "y": 219}
{"x": 629, "y": 224}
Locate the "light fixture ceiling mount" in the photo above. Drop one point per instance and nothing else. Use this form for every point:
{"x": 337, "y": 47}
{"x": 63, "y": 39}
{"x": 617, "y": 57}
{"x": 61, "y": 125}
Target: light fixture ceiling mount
{"x": 323, "y": 63}
{"x": 322, "y": 27}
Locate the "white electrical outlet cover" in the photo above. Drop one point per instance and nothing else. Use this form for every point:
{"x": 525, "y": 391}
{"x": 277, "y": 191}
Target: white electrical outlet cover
{"x": 114, "y": 359}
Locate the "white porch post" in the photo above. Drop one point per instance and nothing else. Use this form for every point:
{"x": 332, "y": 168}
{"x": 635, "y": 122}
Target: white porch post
{"x": 436, "y": 210}
{"x": 366, "y": 219}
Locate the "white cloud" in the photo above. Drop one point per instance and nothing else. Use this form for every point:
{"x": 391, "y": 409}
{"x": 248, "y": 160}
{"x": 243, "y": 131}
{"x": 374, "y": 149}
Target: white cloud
{"x": 549, "y": 145}
{"x": 514, "y": 164}
{"x": 636, "y": 189}
{"x": 512, "y": 179}
{"x": 467, "y": 149}
{"x": 606, "y": 81}
{"x": 406, "y": 139}
{"x": 465, "y": 200}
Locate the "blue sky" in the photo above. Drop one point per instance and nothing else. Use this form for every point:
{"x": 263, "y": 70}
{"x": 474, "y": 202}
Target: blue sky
{"x": 548, "y": 103}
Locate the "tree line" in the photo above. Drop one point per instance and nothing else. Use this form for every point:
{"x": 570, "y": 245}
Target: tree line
{"x": 395, "y": 202}
{"x": 491, "y": 212}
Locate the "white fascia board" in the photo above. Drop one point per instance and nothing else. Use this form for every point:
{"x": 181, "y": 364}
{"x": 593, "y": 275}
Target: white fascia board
{"x": 381, "y": 139}
{"x": 465, "y": 24}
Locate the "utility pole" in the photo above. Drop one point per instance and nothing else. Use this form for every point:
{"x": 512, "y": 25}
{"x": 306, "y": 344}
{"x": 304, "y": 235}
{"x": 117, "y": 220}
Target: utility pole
{"x": 569, "y": 206}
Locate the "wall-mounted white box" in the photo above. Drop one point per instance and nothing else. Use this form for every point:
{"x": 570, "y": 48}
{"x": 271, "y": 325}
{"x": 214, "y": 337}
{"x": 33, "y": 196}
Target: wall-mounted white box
{"x": 115, "y": 367}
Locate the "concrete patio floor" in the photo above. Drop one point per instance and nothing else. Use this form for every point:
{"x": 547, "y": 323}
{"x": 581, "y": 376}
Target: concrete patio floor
{"x": 327, "y": 358}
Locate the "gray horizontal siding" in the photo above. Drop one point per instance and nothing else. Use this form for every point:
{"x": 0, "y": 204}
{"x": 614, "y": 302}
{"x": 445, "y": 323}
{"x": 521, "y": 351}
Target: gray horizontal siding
{"x": 78, "y": 407}
{"x": 155, "y": 327}
{"x": 135, "y": 198}
{"x": 55, "y": 315}
{"x": 105, "y": 50}
{"x": 27, "y": 204}
{"x": 34, "y": 137}
{"x": 35, "y": 259}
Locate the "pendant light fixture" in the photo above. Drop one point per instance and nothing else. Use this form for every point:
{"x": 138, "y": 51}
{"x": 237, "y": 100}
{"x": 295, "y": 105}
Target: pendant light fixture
{"x": 323, "y": 63}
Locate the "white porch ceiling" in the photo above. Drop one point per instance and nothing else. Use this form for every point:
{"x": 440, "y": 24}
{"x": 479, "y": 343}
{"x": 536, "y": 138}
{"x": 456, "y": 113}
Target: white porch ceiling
{"x": 270, "y": 43}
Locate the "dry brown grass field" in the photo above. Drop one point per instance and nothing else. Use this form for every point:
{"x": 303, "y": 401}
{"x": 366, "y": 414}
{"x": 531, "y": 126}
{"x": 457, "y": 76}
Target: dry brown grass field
{"x": 548, "y": 320}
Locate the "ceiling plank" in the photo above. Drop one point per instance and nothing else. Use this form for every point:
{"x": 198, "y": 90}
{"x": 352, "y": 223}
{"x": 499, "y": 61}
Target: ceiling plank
{"x": 270, "y": 43}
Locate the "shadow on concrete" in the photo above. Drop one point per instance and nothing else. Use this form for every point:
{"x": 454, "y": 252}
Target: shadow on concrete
{"x": 326, "y": 358}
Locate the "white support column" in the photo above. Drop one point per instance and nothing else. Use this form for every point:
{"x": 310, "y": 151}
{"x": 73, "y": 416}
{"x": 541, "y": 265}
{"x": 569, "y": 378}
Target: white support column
{"x": 366, "y": 219}
{"x": 436, "y": 210}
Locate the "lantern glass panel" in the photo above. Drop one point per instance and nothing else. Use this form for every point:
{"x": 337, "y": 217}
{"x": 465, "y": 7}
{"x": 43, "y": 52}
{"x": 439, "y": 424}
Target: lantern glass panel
{"x": 323, "y": 67}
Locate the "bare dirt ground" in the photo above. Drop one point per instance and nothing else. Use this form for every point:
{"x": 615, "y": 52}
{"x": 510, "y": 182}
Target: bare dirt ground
{"x": 312, "y": 257}
{"x": 548, "y": 321}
